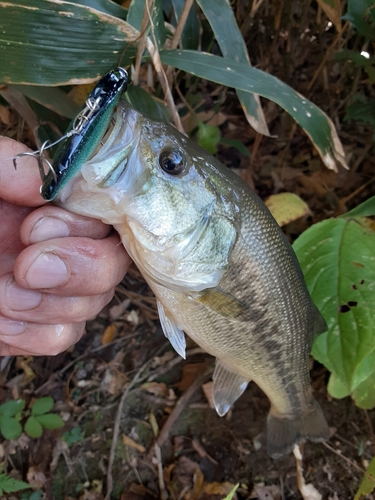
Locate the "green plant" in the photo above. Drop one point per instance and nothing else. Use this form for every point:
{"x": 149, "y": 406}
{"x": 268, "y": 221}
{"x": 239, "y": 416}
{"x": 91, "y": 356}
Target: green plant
{"x": 10, "y": 485}
{"x": 41, "y": 47}
{"x": 37, "y": 418}
{"x": 337, "y": 257}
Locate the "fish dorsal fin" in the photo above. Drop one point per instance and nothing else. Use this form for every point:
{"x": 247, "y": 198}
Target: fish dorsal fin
{"x": 173, "y": 332}
{"x": 228, "y": 386}
{"x": 224, "y": 304}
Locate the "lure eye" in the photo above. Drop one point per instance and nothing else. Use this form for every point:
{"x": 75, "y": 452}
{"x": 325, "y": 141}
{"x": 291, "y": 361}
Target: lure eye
{"x": 172, "y": 161}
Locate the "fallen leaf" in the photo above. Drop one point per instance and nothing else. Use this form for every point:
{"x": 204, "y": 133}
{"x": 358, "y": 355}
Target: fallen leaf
{"x": 156, "y": 388}
{"x": 218, "y": 488}
{"x": 189, "y": 374}
{"x": 109, "y": 334}
{"x": 4, "y": 115}
{"x": 262, "y": 492}
{"x": 127, "y": 441}
{"x": 35, "y": 477}
{"x": 287, "y": 207}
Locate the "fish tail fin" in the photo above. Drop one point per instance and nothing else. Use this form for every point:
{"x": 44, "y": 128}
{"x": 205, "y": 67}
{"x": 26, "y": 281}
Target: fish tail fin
{"x": 284, "y": 433}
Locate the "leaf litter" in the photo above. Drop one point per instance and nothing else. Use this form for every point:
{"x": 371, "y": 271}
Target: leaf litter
{"x": 123, "y": 365}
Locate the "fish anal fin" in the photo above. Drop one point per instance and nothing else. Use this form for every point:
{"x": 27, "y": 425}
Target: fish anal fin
{"x": 172, "y": 331}
{"x": 227, "y": 387}
{"x": 283, "y": 433}
{"x": 224, "y": 304}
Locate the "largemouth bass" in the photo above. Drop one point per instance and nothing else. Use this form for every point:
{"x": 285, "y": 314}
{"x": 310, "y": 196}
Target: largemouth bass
{"x": 219, "y": 265}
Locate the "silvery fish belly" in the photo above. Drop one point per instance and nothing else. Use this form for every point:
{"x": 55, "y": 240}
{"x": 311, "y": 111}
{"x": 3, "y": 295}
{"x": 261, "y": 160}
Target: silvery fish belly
{"x": 219, "y": 265}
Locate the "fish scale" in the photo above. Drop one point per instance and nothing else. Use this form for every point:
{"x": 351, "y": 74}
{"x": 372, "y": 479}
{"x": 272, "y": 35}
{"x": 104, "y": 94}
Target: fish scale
{"x": 220, "y": 267}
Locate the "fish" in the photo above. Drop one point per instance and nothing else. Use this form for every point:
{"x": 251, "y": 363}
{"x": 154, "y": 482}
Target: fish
{"x": 220, "y": 267}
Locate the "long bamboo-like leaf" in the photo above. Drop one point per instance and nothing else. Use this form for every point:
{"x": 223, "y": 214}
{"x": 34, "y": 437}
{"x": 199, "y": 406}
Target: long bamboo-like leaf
{"x": 223, "y": 23}
{"x": 56, "y": 42}
{"x": 312, "y": 119}
{"x": 135, "y": 17}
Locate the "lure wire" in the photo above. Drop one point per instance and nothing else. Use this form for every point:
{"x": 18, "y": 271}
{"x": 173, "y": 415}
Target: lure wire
{"x": 91, "y": 105}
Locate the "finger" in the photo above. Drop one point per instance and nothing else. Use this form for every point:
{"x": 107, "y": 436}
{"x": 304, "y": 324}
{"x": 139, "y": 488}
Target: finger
{"x": 40, "y": 340}
{"x": 19, "y": 186}
{"x": 17, "y": 303}
{"x": 73, "y": 266}
{"x": 50, "y": 222}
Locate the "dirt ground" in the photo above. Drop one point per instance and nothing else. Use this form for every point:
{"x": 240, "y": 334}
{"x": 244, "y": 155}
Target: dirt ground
{"x": 137, "y": 415}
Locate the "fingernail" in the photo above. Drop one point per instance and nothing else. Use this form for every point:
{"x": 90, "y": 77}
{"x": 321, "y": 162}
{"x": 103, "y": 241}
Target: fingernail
{"x": 20, "y": 299}
{"x": 48, "y": 228}
{"x": 9, "y": 327}
{"x": 47, "y": 271}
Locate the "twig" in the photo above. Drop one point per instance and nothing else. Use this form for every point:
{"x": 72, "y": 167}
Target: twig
{"x": 181, "y": 23}
{"x": 308, "y": 491}
{"x": 350, "y": 462}
{"x": 116, "y": 430}
{"x": 327, "y": 55}
{"x": 155, "y": 56}
{"x": 180, "y": 405}
{"x": 162, "y": 488}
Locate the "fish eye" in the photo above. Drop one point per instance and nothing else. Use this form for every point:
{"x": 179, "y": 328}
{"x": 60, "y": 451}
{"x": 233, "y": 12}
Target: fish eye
{"x": 172, "y": 161}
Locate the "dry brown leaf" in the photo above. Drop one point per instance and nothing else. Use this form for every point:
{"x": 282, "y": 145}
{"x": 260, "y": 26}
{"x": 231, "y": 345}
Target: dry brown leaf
{"x": 127, "y": 441}
{"x": 262, "y": 492}
{"x": 207, "y": 391}
{"x": 219, "y": 488}
{"x": 189, "y": 374}
{"x": 36, "y": 477}
{"x": 4, "y": 115}
{"x": 156, "y": 388}
{"x": 109, "y": 334}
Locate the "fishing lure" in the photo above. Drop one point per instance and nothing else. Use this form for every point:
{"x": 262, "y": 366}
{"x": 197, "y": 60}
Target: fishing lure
{"x": 83, "y": 135}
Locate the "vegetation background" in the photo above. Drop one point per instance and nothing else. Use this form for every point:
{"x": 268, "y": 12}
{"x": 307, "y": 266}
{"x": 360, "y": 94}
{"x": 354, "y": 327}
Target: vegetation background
{"x": 130, "y": 420}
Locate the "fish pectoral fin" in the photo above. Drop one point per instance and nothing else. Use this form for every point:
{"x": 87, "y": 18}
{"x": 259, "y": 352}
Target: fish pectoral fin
{"x": 173, "y": 332}
{"x": 320, "y": 324}
{"x": 227, "y": 387}
{"x": 224, "y": 304}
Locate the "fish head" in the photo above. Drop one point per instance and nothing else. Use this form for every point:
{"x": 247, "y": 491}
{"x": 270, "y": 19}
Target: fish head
{"x": 169, "y": 199}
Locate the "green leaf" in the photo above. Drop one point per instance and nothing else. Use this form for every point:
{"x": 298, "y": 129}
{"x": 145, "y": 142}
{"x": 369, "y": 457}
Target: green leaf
{"x": 106, "y": 6}
{"x": 135, "y": 18}
{"x": 316, "y": 124}
{"x": 232, "y": 492}
{"x": 50, "y": 421}
{"x": 190, "y": 33}
{"x": 208, "y": 137}
{"x": 235, "y": 143}
{"x": 360, "y": 14}
{"x": 365, "y": 209}
{"x": 42, "y": 405}
{"x": 10, "y": 485}
{"x": 287, "y": 207}
{"x": 33, "y": 427}
{"x": 337, "y": 258}
{"x": 228, "y": 35}
{"x": 367, "y": 485}
{"x": 145, "y": 104}
{"x": 56, "y": 42}
{"x": 75, "y": 435}
{"x": 52, "y": 98}
{"x": 10, "y": 428}
{"x": 10, "y": 408}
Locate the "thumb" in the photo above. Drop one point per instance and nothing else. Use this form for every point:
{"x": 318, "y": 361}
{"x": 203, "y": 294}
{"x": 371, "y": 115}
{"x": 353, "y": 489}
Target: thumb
{"x": 21, "y": 186}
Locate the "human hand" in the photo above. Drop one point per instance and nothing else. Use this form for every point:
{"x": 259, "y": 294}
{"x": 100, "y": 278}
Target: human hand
{"x": 57, "y": 269}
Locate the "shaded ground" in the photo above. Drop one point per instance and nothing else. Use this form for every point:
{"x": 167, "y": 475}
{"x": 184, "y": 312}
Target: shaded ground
{"x": 200, "y": 452}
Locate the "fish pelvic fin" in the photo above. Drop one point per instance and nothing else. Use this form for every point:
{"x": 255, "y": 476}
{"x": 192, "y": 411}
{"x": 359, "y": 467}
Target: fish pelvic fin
{"x": 172, "y": 331}
{"x": 227, "y": 387}
{"x": 283, "y": 433}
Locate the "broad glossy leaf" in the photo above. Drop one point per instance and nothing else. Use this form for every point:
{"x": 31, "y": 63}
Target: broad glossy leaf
{"x": 286, "y": 207}
{"x": 337, "y": 257}
{"x": 313, "y": 120}
{"x": 55, "y": 42}
{"x": 359, "y": 13}
{"x": 223, "y": 23}
{"x": 365, "y": 209}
